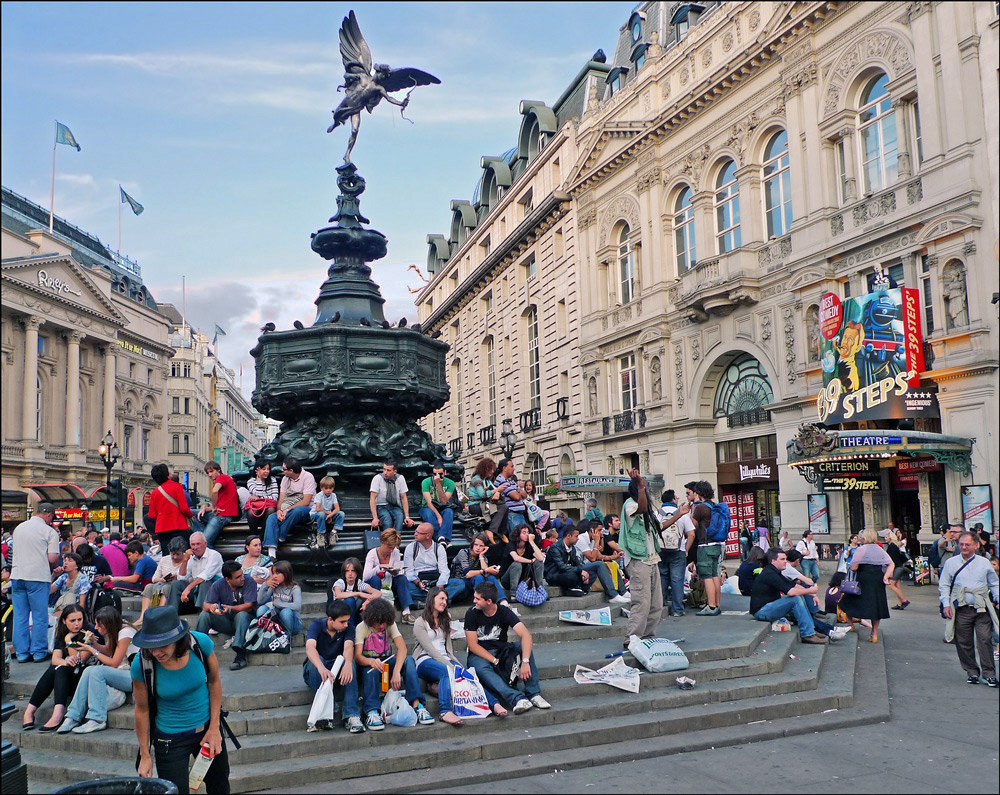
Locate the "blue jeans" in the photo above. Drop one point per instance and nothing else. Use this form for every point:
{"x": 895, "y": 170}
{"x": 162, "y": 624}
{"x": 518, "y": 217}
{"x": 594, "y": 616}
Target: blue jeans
{"x": 810, "y": 568}
{"x": 320, "y": 519}
{"x": 372, "y": 682}
{"x": 801, "y": 608}
{"x": 390, "y": 516}
{"x": 442, "y": 530}
{"x": 672, "y": 564}
{"x": 275, "y": 531}
{"x": 492, "y": 682}
{"x": 91, "y": 698}
{"x": 432, "y": 671}
{"x": 235, "y": 624}
{"x": 30, "y": 597}
{"x": 515, "y": 520}
{"x": 455, "y": 588}
{"x": 348, "y": 692}
{"x": 400, "y": 587}
{"x": 287, "y": 617}
{"x": 177, "y": 587}
{"x": 212, "y": 527}
{"x": 598, "y": 569}
{"x": 479, "y": 579}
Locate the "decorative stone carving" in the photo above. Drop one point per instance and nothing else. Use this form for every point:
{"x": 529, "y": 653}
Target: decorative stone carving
{"x": 706, "y": 55}
{"x": 775, "y": 253}
{"x": 587, "y": 217}
{"x": 754, "y": 20}
{"x": 644, "y": 462}
{"x": 679, "y": 374}
{"x": 882, "y": 46}
{"x": 593, "y": 103}
{"x": 765, "y": 327}
{"x": 695, "y": 349}
{"x": 836, "y": 225}
{"x": 969, "y": 248}
{"x": 592, "y": 392}
{"x": 812, "y": 332}
{"x": 740, "y": 134}
{"x": 727, "y": 41}
{"x": 623, "y": 207}
{"x": 647, "y": 179}
{"x": 653, "y": 49}
{"x": 656, "y": 378}
{"x": 955, "y": 294}
{"x": 914, "y": 191}
{"x": 665, "y": 89}
{"x": 876, "y": 207}
{"x": 694, "y": 162}
{"x": 789, "y": 314}
{"x": 799, "y": 79}
{"x": 879, "y": 251}
{"x": 684, "y": 76}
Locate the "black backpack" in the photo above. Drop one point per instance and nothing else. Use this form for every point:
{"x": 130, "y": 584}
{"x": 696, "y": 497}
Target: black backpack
{"x": 99, "y": 597}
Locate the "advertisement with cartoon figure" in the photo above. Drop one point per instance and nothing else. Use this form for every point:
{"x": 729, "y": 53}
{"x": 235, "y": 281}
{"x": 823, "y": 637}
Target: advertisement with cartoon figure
{"x": 871, "y": 352}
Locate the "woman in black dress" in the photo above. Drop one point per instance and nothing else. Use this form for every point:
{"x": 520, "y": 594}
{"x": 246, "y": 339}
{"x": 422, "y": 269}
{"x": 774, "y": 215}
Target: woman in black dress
{"x": 872, "y": 568}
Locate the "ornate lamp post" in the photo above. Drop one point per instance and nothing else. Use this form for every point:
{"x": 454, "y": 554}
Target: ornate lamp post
{"x": 109, "y": 456}
{"x": 508, "y": 439}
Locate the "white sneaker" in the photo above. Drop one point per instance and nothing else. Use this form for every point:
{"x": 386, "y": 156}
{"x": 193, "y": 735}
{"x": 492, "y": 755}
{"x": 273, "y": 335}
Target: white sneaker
{"x": 272, "y": 553}
{"x": 91, "y": 726}
{"x": 523, "y": 705}
{"x": 628, "y": 595}
{"x": 540, "y": 702}
{"x": 618, "y": 600}
{"x": 513, "y": 610}
{"x": 213, "y": 632}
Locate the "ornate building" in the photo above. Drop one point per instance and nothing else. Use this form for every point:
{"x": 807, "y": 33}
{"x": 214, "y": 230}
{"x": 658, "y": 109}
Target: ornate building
{"x": 642, "y": 287}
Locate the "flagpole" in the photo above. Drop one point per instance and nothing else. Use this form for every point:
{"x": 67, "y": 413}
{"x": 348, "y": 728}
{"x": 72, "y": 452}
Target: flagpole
{"x": 52, "y": 189}
{"x": 183, "y": 306}
{"x": 119, "y": 222}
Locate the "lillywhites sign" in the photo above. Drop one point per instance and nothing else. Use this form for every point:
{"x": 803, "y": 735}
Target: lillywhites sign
{"x": 58, "y": 286}
{"x": 137, "y": 349}
{"x": 759, "y": 472}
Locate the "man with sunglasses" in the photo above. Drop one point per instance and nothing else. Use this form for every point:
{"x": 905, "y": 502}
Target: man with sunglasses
{"x": 298, "y": 487}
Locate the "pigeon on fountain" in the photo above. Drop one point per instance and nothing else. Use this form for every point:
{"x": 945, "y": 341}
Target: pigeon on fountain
{"x": 365, "y": 321}
{"x": 435, "y": 334}
{"x": 402, "y": 322}
{"x": 267, "y": 327}
{"x": 298, "y": 325}
{"x": 335, "y": 318}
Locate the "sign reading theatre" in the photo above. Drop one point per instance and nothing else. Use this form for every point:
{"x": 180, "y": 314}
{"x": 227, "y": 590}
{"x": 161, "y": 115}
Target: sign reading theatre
{"x": 872, "y": 357}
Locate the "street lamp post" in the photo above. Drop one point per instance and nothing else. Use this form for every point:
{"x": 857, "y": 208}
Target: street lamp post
{"x": 109, "y": 456}
{"x": 508, "y": 439}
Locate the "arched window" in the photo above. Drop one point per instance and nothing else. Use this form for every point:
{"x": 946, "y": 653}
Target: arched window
{"x": 727, "y": 209}
{"x": 534, "y": 360}
{"x": 491, "y": 382}
{"x": 626, "y": 266}
{"x": 684, "y": 231}
{"x": 877, "y": 127}
{"x": 744, "y": 386}
{"x": 777, "y": 186}
{"x": 535, "y": 470}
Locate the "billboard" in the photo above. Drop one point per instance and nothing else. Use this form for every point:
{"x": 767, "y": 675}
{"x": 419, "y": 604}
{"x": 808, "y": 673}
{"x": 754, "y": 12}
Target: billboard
{"x": 871, "y": 352}
{"x": 819, "y": 514}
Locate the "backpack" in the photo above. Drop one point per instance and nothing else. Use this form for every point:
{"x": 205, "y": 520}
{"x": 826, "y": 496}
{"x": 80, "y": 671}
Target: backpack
{"x": 934, "y": 555}
{"x": 718, "y": 528}
{"x": 98, "y": 597}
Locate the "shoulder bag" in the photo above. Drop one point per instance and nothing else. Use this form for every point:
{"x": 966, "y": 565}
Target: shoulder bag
{"x": 529, "y": 592}
{"x": 850, "y": 584}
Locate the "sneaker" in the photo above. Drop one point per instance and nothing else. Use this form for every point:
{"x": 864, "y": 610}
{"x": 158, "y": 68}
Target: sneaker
{"x": 213, "y": 632}
{"x": 331, "y": 539}
{"x": 618, "y": 600}
{"x": 523, "y": 705}
{"x": 709, "y": 611}
{"x": 514, "y": 610}
{"x": 576, "y": 592}
{"x": 992, "y": 682}
{"x": 312, "y": 728}
{"x": 972, "y": 680}
{"x": 541, "y": 703}
{"x": 91, "y": 726}
{"x": 67, "y": 726}
{"x": 354, "y": 724}
{"x": 423, "y": 716}
{"x": 320, "y": 541}
{"x": 240, "y": 662}
{"x": 627, "y": 596}
{"x": 445, "y": 543}
{"x": 816, "y": 639}
{"x": 272, "y": 553}
{"x": 374, "y": 722}
{"x": 408, "y": 618}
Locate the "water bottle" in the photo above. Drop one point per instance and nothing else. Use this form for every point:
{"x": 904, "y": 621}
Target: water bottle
{"x": 385, "y": 679}
{"x": 200, "y": 767}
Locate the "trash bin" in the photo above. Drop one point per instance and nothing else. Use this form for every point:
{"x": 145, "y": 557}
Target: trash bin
{"x": 130, "y": 785}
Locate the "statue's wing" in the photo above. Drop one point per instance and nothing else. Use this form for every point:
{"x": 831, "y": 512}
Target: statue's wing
{"x": 353, "y": 47}
{"x": 398, "y": 79}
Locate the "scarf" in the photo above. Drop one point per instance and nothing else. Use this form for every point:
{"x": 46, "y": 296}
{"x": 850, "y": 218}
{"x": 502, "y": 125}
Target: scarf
{"x": 391, "y": 497}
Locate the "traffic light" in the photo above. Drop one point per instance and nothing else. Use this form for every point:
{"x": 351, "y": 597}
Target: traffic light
{"x": 118, "y": 494}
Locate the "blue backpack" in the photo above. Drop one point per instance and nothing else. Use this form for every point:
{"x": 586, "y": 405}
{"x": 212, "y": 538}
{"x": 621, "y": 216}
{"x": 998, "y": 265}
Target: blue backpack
{"x": 718, "y": 528}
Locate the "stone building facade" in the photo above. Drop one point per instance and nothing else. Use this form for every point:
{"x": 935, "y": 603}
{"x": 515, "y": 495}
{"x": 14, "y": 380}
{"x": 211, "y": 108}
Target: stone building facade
{"x": 731, "y": 164}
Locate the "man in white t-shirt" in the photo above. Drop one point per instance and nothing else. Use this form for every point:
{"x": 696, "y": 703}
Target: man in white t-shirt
{"x": 810, "y": 556}
{"x": 387, "y": 499}
{"x": 590, "y": 545}
{"x": 676, "y": 537}
{"x": 36, "y": 550}
{"x": 298, "y": 487}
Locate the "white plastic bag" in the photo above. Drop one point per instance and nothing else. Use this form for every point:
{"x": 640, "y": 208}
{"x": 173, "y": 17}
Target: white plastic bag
{"x": 658, "y": 654}
{"x": 396, "y": 711}
{"x": 617, "y": 674}
{"x": 323, "y": 702}
{"x": 467, "y": 694}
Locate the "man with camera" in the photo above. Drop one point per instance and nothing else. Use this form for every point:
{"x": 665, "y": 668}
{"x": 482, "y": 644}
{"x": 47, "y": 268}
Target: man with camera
{"x": 437, "y": 491}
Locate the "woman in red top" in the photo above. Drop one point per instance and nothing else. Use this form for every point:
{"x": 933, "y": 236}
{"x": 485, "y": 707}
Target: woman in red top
{"x": 168, "y": 507}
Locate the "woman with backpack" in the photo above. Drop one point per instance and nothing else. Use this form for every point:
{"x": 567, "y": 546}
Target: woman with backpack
{"x": 178, "y": 701}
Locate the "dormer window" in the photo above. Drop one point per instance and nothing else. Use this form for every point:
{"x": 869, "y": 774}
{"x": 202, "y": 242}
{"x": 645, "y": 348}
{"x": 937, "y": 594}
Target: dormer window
{"x": 635, "y": 26}
{"x": 616, "y": 79}
{"x": 638, "y": 56}
{"x": 685, "y": 17}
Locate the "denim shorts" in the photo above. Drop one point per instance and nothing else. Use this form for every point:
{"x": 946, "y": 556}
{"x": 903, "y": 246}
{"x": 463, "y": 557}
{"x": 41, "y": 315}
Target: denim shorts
{"x": 709, "y": 561}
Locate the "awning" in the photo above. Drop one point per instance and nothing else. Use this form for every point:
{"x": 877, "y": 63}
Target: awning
{"x": 813, "y": 445}
{"x": 60, "y": 492}
{"x": 613, "y": 484}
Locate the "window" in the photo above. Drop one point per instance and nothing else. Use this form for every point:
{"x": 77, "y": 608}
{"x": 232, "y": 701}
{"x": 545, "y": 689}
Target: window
{"x": 175, "y": 369}
{"x": 38, "y": 409}
{"x": 877, "y": 127}
{"x": 487, "y": 302}
{"x": 42, "y": 341}
{"x": 527, "y": 204}
{"x": 777, "y": 186}
{"x": 636, "y": 29}
{"x": 627, "y": 381}
{"x": 187, "y": 405}
{"x": 927, "y": 290}
{"x": 534, "y": 361}
{"x": 536, "y": 471}
{"x": 127, "y": 452}
{"x": 626, "y": 266}
{"x": 131, "y": 370}
{"x": 149, "y": 375}
{"x": 530, "y": 268}
{"x": 144, "y": 448}
{"x": 175, "y": 443}
{"x": 456, "y": 375}
{"x": 175, "y": 405}
{"x": 894, "y": 274}
{"x": 918, "y": 140}
{"x": 187, "y": 443}
{"x": 485, "y": 246}
{"x": 841, "y": 161}
{"x": 682, "y": 29}
{"x": 128, "y": 407}
{"x": 561, "y": 318}
{"x": 640, "y": 59}
{"x": 558, "y": 248}
{"x": 187, "y": 370}
{"x": 684, "y": 231}
{"x": 727, "y": 209}
{"x": 491, "y": 382}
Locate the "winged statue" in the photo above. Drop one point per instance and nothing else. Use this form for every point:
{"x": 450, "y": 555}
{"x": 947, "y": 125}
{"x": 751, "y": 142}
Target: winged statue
{"x": 367, "y": 84}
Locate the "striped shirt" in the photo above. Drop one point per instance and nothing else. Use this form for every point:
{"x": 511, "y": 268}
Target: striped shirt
{"x": 507, "y": 486}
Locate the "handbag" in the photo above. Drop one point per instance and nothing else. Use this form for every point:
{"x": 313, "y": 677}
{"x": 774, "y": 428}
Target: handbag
{"x": 265, "y": 634}
{"x": 851, "y": 585}
{"x": 533, "y": 511}
{"x": 508, "y": 665}
{"x": 258, "y": 506}
{"x": 530, "y": 593}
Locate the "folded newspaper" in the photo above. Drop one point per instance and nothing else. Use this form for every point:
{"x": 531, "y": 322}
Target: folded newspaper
{"x": 617, "y": 674}
{"x": 597, "y": 618}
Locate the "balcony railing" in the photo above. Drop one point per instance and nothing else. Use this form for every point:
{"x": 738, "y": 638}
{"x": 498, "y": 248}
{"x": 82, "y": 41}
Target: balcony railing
{"x": 470, "y": 440}
{"x": 562, "y": 408}
{"x": 741, "y": 419}
{"x": 455, "y": 447}
{"x": 488, "y": 436}
{"x": 530, "y": 420}
{"x": 625, "y": 421}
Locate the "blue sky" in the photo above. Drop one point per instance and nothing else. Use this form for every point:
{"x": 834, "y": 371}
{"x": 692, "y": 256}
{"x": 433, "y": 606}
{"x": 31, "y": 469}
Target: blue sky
{"x": 213, "y": 116}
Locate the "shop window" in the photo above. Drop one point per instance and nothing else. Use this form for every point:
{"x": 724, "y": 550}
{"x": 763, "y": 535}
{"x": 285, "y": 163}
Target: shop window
{"x": 748, "y": 449}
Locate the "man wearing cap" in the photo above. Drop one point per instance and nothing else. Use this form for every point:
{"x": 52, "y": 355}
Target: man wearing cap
{"x": 36, "y": 550}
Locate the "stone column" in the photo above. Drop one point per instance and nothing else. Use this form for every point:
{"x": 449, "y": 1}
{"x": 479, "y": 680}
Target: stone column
{"x": 850, "y": 170}
{"x": 29, "y": 430}
{"x": 109, "y": 390}
{"x": 904, "y": 165}
{"x": 73, "y": 389}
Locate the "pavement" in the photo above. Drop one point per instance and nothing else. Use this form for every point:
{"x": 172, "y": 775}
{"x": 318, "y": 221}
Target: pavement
{"x": 942, "y": 737}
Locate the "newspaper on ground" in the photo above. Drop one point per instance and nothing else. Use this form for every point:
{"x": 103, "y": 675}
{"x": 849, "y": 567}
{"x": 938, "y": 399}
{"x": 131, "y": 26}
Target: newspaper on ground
{"x": 616, "y": 673}
{"x": 597, "y": 618}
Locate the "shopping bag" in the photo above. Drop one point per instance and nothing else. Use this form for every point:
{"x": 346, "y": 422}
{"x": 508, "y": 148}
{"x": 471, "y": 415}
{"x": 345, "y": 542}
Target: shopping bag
{"x": 323, "y": 704}
{"x": 265, "y": 634}
{"x": 467, "y": 694}
{"x": 396, "y": 711}
{"x": 658, "y": 654}
{"x": 617, "y": 674}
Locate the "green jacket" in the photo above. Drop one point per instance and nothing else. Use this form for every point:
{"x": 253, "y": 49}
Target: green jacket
{"x": 633, "y": 535}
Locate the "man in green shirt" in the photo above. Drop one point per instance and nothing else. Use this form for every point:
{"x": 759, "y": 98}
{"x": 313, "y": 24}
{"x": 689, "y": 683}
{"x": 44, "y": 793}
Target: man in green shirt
{"x": 437, "y": 491}
{"x": 640, "y": 540}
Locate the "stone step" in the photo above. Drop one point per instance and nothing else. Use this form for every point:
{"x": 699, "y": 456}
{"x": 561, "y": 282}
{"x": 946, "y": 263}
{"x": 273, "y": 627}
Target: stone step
{"x": 270, "y": 761}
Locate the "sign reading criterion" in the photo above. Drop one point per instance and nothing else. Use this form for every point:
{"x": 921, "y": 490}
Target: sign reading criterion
{"x": 872, "y": 357}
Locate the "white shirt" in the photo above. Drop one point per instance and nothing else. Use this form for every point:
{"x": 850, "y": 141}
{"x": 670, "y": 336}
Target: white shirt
{"x": 978, "y": 574}
{"x": 378, "y": 487}
{"x": 584, "y": 544}
{"x": 34, "y": 540}
{"x": 418, "y": 558}
{"x": 808, "y": 549}
{"x": 207, "y": 567}
{"x": 792, "y": 573}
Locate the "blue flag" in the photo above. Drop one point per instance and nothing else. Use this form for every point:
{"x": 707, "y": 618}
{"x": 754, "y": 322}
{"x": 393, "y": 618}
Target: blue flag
{"x": 126, "y": 199}
{"x": 218, "y": 330}
{"x": 64, "y": 136}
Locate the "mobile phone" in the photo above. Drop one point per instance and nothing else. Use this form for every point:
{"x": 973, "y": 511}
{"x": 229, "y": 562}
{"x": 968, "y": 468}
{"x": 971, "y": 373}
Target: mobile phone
{"x": 168, "y": 577}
